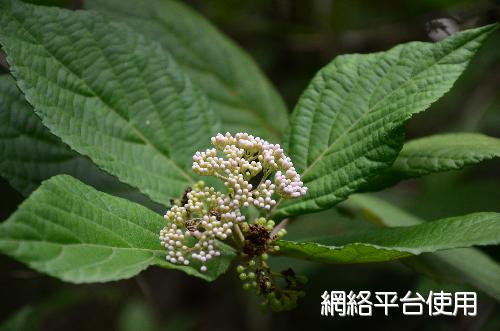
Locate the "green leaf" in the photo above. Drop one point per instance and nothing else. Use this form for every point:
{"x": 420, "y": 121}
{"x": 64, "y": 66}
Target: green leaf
{"x": 71, "y": 231}
{"x": 109, "y": 94}
{"x": 347, "y": 126}
{"x": 30, "y": 153}
{"x": 397, "y": 242}
{"x": 437, "y": 153}
{"x": 237, "y": 89}
{"x": 464, "y": 264}
{"x": 382, "y": 212}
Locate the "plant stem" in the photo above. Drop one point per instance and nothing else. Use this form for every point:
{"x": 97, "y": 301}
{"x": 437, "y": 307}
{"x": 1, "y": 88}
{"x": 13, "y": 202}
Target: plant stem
{"x": 281, "y": 225}
{"x": 221, "y": 177}
{"x": 240, "y": 238}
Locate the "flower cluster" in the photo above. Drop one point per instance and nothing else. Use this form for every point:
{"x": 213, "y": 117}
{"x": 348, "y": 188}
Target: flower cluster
{"x": 250, "y": 162}
{"x": 201, "y": 216}
{"x": 254, "y": 171}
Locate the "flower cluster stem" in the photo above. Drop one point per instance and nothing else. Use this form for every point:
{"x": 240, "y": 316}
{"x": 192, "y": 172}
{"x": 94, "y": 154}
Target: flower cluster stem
{"x": 240, "y": 239}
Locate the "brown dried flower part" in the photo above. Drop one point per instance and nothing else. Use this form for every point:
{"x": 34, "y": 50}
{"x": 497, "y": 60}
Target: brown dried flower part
{"x": 257, "y": 240}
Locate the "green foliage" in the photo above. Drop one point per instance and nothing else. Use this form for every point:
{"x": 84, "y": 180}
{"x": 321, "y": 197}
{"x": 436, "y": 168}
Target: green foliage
{"x": 437, "y": 153}
{"x": 22, "y": 319}
{"x": 393, "y": 243}
{"x": 136, "y": 316}
{"x": 137, "y": 91}
{"x": 464, "y": 264}
{"x": 30, "y": 153}
{"x": 236, "y": 88}
{"x": 71, "y": 231}
{"x": 347, "y": 125}
{"x": 109, "y": 94}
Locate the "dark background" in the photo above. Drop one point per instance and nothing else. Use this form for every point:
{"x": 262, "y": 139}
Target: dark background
{"x": 291, "y": 40}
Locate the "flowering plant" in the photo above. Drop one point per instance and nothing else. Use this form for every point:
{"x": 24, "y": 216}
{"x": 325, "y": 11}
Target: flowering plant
{"x": 253, "y": 172}
{"x": 105, "y": 119}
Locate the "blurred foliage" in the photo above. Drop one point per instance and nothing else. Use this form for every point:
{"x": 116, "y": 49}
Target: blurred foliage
{"x": 291, "y": 40}
{"x": 20, "y": 320}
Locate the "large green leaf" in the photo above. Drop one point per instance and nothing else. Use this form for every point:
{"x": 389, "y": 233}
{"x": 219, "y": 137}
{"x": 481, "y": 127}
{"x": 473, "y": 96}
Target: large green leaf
{"x": 109, "y": 94}
{"x": 437, "y": 153}
{"x": 464, "y": 264}
{"x": 73, "y": 232}
{"x": 30, "y": 154}
{"x": 236, "y": 87}
{"x": 347, "y": 126}
{"x": 397, "y": 242}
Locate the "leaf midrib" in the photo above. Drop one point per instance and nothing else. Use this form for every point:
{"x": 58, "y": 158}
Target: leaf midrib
{"x": 400, "y": 249}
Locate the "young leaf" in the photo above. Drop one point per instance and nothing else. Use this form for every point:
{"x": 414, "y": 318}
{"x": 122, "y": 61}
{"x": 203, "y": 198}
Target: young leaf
{"x": 347, "y": 126}
{"x": 467, "y": 264}
{"x": 394, "y": 243}
{"x": 235, "y": 86}
{"x": 437, "y": 153}
{"x": 109, "y": 94}
{"x": 71, "y": 231}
